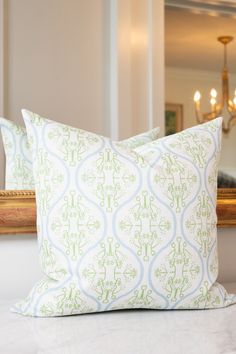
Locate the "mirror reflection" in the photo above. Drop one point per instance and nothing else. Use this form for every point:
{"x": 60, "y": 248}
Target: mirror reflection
{"x": 53, "y": 57}
{"x": 64, "y": 59}
{"x": 195, "y": 60}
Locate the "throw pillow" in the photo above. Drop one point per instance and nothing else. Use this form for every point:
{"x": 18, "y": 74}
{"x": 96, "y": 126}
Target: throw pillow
{"x": 19, "y": 174}
{"x": 121, "y": 229}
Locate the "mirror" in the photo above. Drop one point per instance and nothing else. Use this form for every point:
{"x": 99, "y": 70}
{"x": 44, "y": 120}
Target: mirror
{"x": 194, "y": 61}
{"x": 53, "y": 62}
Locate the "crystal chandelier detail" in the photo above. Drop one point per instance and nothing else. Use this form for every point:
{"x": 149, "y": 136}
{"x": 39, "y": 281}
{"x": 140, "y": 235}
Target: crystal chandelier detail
{"x": 225, "y": 103}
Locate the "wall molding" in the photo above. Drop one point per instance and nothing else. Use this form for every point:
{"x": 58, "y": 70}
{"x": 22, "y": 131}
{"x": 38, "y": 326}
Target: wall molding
{"x": 159, "y": 65}
{"x": 150, "y": 65}
{"x": 113, "y": 71}
{"x": 219, "y": 7}
{"x": 190, "y": 74}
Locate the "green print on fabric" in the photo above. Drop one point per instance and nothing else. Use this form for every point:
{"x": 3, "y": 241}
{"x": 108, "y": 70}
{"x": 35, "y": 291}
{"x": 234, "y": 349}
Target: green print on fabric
{"x": 38, "y": 120}
{"x": 72, "y": 143}
{"x": 110, "y": 179}
{"x": 77, "y": 226}
{"x": 18, "y": 168}
{"x": 50, "y": 263}
{"x": 202, "y": 223}
{"x": 43, "y": 285}
{"x": 48, "y": 179}
{"x": 195, "y": 145}
{"x": 206, "y": 298}
{"x": 212, "y": 178}
{"x": 142, "y": 298}
{"x": 109, "y": 271}
{"x": 69, "y": 301}
{"x": 21, "y": 172}
{"x": 140, "y": 139}
{"x": 178, "y": 272}
{"x": 176, "y": 179}
{"x": 124, "y": 228}
{"x": 145, "y": 226}
{"x": 8, "y": 144}
{"x": 214, "y": 264}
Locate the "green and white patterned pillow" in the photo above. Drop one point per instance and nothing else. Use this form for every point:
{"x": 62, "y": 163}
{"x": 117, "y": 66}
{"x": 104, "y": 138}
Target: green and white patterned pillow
{"x": 141, "y": 139}
{"x": 121, "y": 229}
{"x": 18, "y": 173}
{"x": 19, "y": 169}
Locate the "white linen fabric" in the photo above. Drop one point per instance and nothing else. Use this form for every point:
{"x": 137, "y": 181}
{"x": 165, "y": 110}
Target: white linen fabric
{"x": 19, "y": 169}
{"x": 141, "y": 139}
{"x": 120, "y": 228}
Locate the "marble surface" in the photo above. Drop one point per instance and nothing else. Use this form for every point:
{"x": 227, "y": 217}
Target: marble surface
{"x": 121, "y": 332}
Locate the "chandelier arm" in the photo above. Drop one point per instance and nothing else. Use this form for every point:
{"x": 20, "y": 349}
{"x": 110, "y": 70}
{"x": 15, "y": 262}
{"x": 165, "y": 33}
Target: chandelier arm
{"x": 210, "y": 115}
{"x": 225, "y": 87}
{"x": 231, "y": 121}
{"x": 230, "y": 107}
{"x": 225, "y": 102}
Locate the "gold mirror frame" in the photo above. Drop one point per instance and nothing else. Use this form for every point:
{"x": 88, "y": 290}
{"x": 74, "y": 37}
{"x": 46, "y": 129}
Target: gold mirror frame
{"x": 18, "y": 210}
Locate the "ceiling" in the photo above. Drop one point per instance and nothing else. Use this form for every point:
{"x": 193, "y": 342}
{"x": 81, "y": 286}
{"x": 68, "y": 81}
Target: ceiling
{"x": 191, "y": 37}
{"x": 223, "y": 7}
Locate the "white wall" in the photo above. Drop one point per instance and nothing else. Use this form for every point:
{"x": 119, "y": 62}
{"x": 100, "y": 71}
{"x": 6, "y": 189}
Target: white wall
{"x": 56, "y": 60}
{"x": 19, "y": 265}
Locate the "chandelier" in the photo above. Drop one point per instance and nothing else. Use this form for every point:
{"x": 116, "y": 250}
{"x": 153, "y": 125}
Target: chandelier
{"x": 225, "y": 104}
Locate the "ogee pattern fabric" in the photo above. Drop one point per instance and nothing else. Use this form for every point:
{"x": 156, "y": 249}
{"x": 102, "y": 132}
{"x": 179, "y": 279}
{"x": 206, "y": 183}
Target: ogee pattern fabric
{"x": 19, "y": 169}
{"x": 141, "y": 139}
{"x": 18, "y": 173}
{"x": 119, "y": 229}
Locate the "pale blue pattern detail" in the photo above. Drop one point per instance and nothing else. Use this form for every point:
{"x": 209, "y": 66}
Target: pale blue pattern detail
{"x": 19, "y": 166}
{"x": 123, "y": 227}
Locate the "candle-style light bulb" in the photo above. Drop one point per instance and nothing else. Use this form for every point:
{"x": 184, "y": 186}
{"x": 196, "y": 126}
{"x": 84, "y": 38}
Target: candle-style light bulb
{"x": 213, "y": 101}
{"x": 234, "y": 99}
{"x": 213, "y": 93}
{"x": 197, "y": 96}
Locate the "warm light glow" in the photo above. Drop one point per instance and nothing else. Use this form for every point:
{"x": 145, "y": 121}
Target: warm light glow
{"x": 219, "y": 104}
{"x": 197, "y": 96}
{"x": 213, "y": 101}
{"x": 138, "y": 39}
{"x": 213, "y": 93}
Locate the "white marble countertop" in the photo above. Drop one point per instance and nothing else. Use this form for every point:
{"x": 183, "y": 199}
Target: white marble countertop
{"x": 121, "y": 332}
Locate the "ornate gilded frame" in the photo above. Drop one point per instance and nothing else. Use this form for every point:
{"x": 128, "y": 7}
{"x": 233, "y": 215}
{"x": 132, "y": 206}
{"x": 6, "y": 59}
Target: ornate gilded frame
{"x": 18, "y": 211}
{"x": 226, "y": 207}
